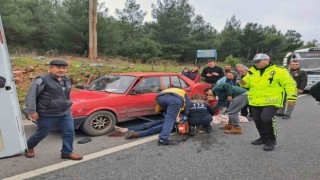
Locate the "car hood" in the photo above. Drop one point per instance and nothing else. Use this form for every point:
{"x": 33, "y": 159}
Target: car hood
{"x": 79, "y": 96}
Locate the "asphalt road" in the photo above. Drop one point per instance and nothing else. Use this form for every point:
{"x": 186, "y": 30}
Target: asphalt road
{"x": 205, "y": 156}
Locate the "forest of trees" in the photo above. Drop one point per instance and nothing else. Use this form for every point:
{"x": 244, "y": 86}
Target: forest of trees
{"x": 176, "y": 32}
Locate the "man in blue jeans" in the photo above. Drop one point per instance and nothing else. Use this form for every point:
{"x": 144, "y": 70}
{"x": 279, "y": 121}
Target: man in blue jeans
{"x": 172, "y": 101}
{"x": 48, "y": 102}
{"x": 143, "y": 130}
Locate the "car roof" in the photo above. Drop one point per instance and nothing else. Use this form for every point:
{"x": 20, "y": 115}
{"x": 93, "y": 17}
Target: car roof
{"x": 147, "y": 74}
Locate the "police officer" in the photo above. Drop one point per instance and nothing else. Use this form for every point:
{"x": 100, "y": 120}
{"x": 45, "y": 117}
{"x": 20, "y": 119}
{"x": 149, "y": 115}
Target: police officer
{"x": 172, "y": 101}
{"x": 267, "y": 84}
{"x": 48, "y": 102}
{"x": 301, "y": 79}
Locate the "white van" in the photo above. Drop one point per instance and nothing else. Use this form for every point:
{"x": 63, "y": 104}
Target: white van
{"x": 12, "y": 135}
{"x": 309, "y": 60}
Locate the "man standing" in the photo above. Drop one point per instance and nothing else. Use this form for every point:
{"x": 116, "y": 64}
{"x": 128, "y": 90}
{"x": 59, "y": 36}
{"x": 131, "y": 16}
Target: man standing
{"x": 301, "y": 79}
{"x": 267, "y": 84}
{"x": 227, "y": 68}
{"x": 48, "y": 102}
{"x": 212, "y": 73}
{"x": 172, "y": 101}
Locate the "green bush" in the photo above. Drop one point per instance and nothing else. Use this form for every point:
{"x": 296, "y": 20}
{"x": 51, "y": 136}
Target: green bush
{"x": 232, "y": 61}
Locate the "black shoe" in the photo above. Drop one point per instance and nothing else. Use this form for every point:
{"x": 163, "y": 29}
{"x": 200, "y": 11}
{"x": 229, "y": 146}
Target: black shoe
{"x": 259, "y": 141}
{"x": 279, "y": 114}
{"x": 269, "y": 145}
{"x": 286, "y": 117}
{"x": 192, "y": 130}
{"x": 166, "y": 143}
{"x": 208, "y": 128}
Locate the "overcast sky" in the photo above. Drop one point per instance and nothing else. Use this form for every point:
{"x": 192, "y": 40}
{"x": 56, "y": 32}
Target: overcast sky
{"x": 300, "y": 15}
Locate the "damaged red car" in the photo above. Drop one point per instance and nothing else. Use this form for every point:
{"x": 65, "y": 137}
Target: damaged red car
{"x": 121, "y": 97}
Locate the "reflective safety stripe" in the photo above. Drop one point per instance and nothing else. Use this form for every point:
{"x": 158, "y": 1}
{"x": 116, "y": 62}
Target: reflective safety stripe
{"x": 274, "y": 127}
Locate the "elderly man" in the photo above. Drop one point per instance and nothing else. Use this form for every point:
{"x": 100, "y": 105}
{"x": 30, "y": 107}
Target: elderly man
{"x": 267, "y": 84}
{"x": 48, "y": 102}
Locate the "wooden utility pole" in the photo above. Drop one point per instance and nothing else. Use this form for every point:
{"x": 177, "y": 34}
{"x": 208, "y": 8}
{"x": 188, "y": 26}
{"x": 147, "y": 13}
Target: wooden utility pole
{"x": 93, "y": 54}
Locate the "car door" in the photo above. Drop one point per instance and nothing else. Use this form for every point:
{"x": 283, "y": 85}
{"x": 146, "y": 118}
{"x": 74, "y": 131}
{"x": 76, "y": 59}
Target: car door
{"x": 140, "y": 100}
{"x": 176, "y": 82}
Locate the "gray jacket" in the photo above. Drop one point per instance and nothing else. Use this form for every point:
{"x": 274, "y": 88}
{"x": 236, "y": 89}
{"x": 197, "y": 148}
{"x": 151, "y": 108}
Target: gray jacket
{"x": 49, "y": 97}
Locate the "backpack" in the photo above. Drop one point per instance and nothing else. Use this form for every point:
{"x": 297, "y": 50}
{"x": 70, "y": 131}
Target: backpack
{"x": 315, "y": 91}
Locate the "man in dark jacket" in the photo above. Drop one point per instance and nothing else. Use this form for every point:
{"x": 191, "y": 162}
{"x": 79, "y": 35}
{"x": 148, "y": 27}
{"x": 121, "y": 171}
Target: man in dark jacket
{"x": 212, "y": 73}
{"x": 301, "y": 79}
{"x": 48, "y": 102}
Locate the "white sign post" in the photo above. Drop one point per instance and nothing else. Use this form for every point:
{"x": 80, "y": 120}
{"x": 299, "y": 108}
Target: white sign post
{"x": 12, "y": 135}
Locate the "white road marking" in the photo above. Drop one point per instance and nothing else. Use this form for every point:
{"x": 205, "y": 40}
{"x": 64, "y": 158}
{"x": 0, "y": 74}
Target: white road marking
{"x": 88, "y": 157}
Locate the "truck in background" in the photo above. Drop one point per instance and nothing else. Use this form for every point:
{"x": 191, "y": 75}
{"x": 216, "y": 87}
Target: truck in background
{"x": 309, "y": 60}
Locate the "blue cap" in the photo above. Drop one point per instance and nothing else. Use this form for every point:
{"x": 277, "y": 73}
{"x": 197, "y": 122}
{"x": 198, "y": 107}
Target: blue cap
{"x": 259, "y": 57}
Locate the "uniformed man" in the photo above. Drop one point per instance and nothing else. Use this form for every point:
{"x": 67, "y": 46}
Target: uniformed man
{"x": 267, "y": 84}
{"x": 172, "y": 101}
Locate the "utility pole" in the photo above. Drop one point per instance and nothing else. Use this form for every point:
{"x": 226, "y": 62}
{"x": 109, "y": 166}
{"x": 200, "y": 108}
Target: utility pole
{"x": 93, "y": 29}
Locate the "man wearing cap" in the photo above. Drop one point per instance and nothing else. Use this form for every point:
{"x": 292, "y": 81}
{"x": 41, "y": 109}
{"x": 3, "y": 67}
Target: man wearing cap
{"x": 48, "y": 102}
{"x": 267, "y": 84}
{"x": 194, "y": 74}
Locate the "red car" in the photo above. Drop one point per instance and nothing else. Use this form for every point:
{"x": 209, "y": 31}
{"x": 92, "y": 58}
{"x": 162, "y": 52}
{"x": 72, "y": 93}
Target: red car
{"x": 120, "y": 97}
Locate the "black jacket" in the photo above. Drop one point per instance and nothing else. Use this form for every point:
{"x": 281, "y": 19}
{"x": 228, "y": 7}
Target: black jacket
{"x": 49, "y": 97}
{"x": 300, "y": 77}
{"x": 212, "y": 79}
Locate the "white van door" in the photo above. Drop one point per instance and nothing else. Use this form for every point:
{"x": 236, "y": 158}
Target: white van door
{"x": 12, "y": 135}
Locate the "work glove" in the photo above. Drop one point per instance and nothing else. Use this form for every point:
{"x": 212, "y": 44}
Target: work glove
{"x": 184, "y": 118}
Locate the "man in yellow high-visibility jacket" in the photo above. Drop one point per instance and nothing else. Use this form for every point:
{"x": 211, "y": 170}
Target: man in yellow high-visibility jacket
{"x": 267, "y": 84}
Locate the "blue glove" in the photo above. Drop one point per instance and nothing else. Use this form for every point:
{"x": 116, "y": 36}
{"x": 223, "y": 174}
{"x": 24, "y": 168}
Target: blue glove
{"x": 184, "y": 118}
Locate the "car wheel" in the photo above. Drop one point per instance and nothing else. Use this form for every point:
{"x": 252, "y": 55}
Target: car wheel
{"x": 99, "y": 123}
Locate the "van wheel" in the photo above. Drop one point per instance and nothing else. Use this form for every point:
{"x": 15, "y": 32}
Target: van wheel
{"x": 99, "y": 123}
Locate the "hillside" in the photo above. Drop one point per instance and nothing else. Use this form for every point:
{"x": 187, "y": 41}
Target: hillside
{"x": 81, "y": 70}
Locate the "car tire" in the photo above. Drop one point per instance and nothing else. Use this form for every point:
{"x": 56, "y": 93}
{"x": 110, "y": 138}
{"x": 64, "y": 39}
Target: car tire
{"x": 99, "y": 123}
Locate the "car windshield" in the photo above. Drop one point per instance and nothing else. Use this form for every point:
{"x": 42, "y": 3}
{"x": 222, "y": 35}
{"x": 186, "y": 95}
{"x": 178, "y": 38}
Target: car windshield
{"x": 311, "y": 64}
{"x": 112, "y": 83}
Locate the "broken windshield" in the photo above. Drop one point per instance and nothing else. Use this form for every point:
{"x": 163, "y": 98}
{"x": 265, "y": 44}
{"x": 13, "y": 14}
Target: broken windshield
{"x": 112, "y": 83}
